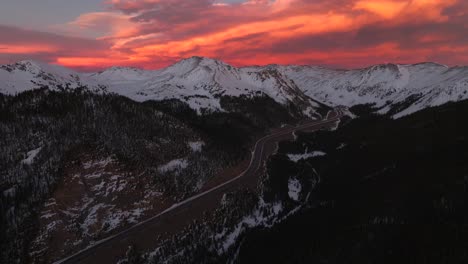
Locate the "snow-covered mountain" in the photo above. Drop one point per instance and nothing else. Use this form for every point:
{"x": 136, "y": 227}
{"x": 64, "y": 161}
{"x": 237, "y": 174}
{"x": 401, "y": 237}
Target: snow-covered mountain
{"x": 402, "y": 89}
{"x": 27, "y": 75}
{"x": 201, "y": 82}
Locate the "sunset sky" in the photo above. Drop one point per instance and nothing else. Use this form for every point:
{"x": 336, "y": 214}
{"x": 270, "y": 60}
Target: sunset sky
{"x": 94, "y": 34}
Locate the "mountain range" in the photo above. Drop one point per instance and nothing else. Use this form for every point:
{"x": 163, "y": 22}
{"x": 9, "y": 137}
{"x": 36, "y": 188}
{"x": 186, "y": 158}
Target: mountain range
{"x": 200, "y": 82}
{"x": 87, "y": 156}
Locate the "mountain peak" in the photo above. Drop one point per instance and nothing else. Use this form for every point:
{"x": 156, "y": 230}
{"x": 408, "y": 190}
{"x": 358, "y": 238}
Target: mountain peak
{"x": 189, "y": 64}
{"x": 27, "y": 65}
{"x": 29, "y": 62}
{"x": 204, "y": 61}
{"x": 431, "y": 64}
{"x": 200, "y": 59}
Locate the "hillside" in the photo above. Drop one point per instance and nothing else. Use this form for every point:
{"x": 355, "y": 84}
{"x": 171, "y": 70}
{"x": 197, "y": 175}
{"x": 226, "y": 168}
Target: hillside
{"x": 79, "y": 166}
{"x": 376, "y": 190}
{"x": 390, "y": 191}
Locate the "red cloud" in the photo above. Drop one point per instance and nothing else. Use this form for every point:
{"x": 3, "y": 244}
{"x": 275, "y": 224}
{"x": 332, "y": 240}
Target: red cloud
{"x": 347, "y": 33}
{"x": 18, "y": 44}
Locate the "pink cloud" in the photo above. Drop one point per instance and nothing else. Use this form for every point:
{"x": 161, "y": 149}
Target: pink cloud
{"x": 28, "y": 44}
{"x": 348, "y": 33}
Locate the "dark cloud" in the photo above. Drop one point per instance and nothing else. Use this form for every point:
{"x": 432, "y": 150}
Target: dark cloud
{"x": 54, "y": 45}
{"x": 414, "y": 35}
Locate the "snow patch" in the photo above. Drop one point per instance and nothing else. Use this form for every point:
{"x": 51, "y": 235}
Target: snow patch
{"x": 265, "y": 215}
{"x": 298, "y": 157}
{"x": 173, "y": 165}
{"x": 196, "y": 146}
{"x": 341, "y": 146}
{"x": 294, "y": 189}
{"x": 31, "y": 155}
{"x": 98, "y": 163}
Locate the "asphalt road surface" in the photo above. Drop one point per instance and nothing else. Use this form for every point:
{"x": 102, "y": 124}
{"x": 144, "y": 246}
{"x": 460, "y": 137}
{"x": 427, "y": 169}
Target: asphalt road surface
{"x": 143, "y": 235}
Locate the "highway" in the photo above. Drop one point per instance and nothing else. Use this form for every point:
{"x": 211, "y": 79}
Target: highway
{"x": 178, "y": 216}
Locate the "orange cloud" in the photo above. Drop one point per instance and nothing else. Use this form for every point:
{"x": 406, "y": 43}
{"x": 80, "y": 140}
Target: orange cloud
{"x": 89, "y": 61}
{"x": 281, "y": 28}
{"x": 406, "y": 10}
{"x": 386, "y": 9}
{"x": 348, "y": 33}
{"x": 22, "y": 49}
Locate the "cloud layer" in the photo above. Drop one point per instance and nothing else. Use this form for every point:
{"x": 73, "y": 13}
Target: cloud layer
{"x": 341, "y": 33}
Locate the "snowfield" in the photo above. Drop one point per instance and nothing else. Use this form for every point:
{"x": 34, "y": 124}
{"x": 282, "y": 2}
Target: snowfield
{"x": 298, "y": 157}
{"x": 201, "y": 82}
{"x": 387, "y": 85}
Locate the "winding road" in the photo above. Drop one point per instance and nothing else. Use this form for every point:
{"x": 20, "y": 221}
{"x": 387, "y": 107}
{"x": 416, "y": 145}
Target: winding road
{"x": 178, "y": 216}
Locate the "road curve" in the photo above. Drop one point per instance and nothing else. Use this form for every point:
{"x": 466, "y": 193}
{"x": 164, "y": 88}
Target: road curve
{"x": 259, "y": 155}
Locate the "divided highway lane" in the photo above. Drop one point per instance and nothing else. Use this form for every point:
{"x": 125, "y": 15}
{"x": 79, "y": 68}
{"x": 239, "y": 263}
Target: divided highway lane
{"x": 110, "y": 249}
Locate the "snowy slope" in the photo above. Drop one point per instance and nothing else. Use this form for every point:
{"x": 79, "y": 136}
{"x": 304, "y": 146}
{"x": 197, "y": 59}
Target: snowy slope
{"x": 387, "y": 86}
{"x": 201, "y": 82}
{"x": 27, "y": 75}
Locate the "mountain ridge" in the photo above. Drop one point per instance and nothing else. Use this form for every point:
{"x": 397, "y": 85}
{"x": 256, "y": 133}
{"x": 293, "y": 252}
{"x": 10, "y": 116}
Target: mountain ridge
{"x": 399, "y": 89}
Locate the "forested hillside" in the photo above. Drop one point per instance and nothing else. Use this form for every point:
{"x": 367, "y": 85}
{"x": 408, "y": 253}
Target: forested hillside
{"x": 376, "y": 190}
{"x": 390, "y": 191}
{"x": 172, "y": 149}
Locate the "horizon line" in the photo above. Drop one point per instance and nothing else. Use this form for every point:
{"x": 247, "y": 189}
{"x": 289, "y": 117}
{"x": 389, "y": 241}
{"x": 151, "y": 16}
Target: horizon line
{"x": 80, "y": 69}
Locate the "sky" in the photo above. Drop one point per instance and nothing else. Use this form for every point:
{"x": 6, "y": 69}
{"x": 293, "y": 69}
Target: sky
{"x": 91, "y": 35}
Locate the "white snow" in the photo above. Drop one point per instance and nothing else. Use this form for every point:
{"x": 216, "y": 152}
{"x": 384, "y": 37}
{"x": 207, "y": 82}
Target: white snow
{"x": 28, "y": 75}
{"x": 298, "y": 157}
{"x": 196, "y": 146}
{"x": 117, "y": 218}
{"x": 91, "y": 217}
{"x": 294, "y": 189}
{"x": 48, "y": 215}
{"x": 265, "y": 215}
{"x": 341, "y": 146}
{"x": 31, "y": 155}
{"x": 173, "y": 165}
{"x": 435, "y": 84}
{"x": 98, "y": 163}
